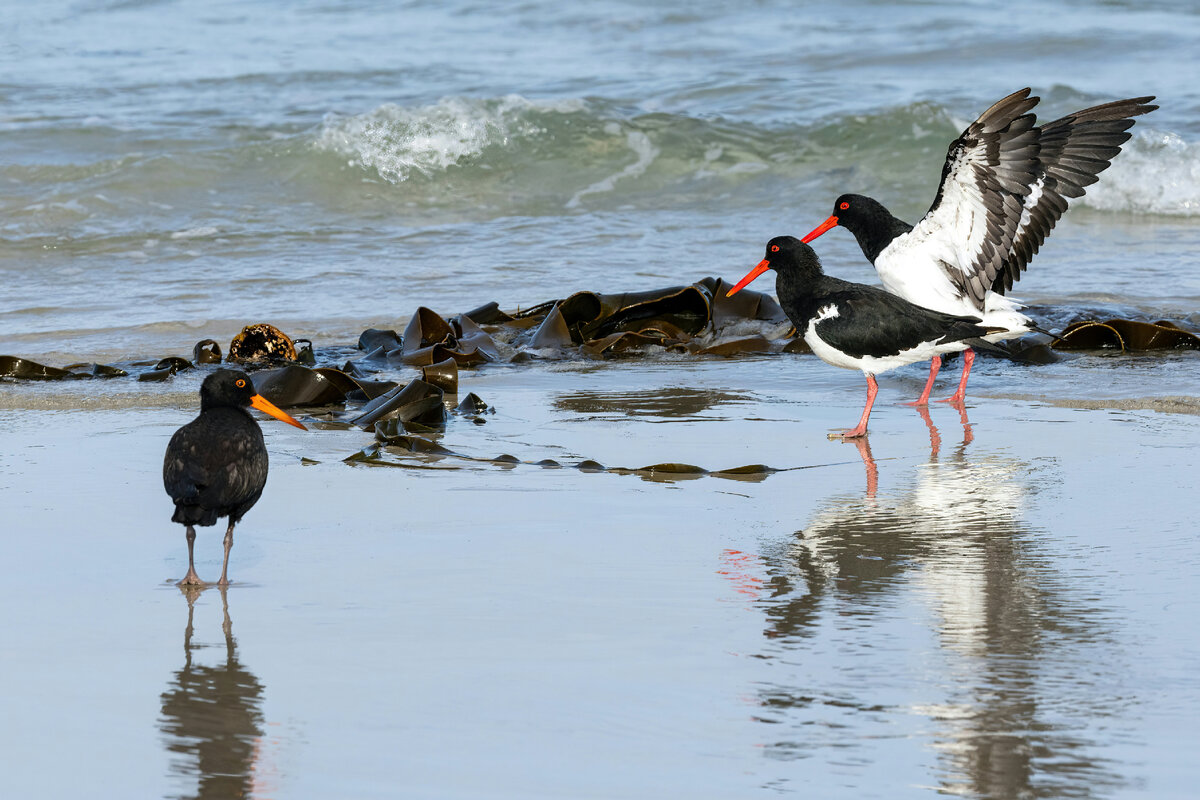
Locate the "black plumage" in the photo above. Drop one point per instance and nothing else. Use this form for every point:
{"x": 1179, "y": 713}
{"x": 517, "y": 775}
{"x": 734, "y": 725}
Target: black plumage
{"x": 216, "y": 465}
{"x": 856, "y": 326}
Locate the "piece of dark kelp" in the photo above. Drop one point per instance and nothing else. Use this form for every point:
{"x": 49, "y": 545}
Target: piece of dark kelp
{"x": 746, "y": 304}
{"x": 206, "y": 351}
{"x": 24, "y": 369}
{"x": 488, "y": 314}
{"x": 429, "y": 339}
{"x": 93, "y": 370}
{"x": 416, "y": 401}
{"x": 1126, "y": 335}
{"x": 297, "y": 385}
{"x": 443, "y": 375}
{"x": 165, "y": 369}
{"x": 373, "y": 339}
{"x": 261, "y": 342}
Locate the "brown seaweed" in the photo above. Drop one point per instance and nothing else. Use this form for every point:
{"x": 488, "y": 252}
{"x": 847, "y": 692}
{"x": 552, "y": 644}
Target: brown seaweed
{"x": 1126, "y": 335}
{"x": 24, "y": 369}
{"x": 17, "y": 367}
{"x": 443, "y": 375}
{"x": 206, "y": 351}
{"x": 429, "y": 339}
{"x": 416, "y": 401}
{"x": 165, "y": 369}
{"x": 297, "y": 385}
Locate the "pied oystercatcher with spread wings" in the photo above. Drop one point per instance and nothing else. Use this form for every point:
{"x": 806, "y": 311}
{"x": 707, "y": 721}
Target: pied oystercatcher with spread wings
{"x": 1005, "y": 184}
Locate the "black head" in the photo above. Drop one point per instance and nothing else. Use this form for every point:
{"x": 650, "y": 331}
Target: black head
{"x": 226, "y": 387}
{"x": 852, "y": 210}
{"x": 787, "y": 255}
{"x": 873, "y": 226}
{"x": 232, "y": 388}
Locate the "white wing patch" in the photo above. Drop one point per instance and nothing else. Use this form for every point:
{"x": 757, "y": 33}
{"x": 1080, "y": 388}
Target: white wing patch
{"x": 828, "y": 312}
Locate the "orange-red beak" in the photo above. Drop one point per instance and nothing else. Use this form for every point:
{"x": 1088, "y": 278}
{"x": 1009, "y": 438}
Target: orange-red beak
{"x": 267, "y": 407}
{"x": 824, "y": 226}
{"x": 762, "y": 267}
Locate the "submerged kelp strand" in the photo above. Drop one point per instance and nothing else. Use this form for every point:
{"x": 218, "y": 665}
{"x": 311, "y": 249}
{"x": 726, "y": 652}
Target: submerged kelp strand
{"x": 1126, "y": 335}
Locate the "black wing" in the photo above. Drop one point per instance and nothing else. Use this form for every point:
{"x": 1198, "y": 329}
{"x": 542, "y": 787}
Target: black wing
{"x": 978, "y": 206}
{"x": 876, "y": 323}
{"x": 1074, "y": 151}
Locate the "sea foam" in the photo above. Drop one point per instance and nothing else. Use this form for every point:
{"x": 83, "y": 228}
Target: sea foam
{"x": 1156, "y": 173}
{"x": 398, "y": 142}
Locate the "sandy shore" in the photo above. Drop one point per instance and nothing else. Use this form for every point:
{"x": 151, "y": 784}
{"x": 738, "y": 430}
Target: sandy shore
{"x": 1018, "y": 590}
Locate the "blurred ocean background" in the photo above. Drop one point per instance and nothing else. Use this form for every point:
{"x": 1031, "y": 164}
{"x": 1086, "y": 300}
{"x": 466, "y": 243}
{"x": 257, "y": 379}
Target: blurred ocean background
{"x": 178, "y": 169}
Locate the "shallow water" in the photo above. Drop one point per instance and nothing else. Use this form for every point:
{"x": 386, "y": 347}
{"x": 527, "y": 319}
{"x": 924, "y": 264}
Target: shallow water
{"x": 996, "y": 609}
{"x": 1002, "y": 607}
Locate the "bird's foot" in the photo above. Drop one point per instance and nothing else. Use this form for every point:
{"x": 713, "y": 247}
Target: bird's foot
{"x": 856, "y": 433}
{"x": 921, "y": 403}
{"x": 191, "y": 580}
{"x": 957, "y": 399}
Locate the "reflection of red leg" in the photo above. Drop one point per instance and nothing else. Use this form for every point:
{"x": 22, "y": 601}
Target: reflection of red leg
{"x": 935, "y": 438}
{"x": 961, "y": 394}
{"x": 861, "y": 428}
{"x": 968, "y": 434}
{"x": 934, "y": 366}
{"x": 864, "y": 452}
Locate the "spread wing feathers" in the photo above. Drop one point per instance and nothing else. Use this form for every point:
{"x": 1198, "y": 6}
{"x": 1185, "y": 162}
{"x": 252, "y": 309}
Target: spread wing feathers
{"x": 880, "y": 324}
{"x": 1074, "y": 151}
{"x": 979, "y": 203}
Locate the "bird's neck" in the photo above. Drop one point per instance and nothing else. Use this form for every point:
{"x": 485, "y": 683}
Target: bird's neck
{"x": 799, "y": 291}
{"x": 878, "y": 231}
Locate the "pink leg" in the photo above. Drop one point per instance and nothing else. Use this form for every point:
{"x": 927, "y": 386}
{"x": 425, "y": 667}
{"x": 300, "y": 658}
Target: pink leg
{"x": 864, "y": 451}
{"x": 861, "y": 429}
{"x": 935, "y": 438}
{"x": 961, "y": 394}
{"x": 934, "y": 366}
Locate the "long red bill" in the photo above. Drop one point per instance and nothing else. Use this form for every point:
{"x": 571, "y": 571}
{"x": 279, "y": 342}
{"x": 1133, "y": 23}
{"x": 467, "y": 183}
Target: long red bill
{"x": 762, "y": 267}
{"x": 824, "y": 226}
{"x": 267, "y": 407}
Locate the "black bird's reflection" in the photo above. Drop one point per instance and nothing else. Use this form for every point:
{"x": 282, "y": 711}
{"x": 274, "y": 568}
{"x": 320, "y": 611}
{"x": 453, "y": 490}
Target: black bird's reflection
{"x": 211, "y": 715}
{"x": 955, "y": 543}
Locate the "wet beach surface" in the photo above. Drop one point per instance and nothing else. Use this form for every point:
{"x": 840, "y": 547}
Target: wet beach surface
{"x": 997, "y": 608}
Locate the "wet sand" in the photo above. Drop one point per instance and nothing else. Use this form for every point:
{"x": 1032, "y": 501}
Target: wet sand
{"x": 997, "y": 609}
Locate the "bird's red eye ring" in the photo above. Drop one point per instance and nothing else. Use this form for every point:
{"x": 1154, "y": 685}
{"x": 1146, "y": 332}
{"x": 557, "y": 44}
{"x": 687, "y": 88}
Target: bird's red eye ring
{"x": 774, "y": 248}
{"x": 843, "y": 205}
{"x": 241, "y": 384}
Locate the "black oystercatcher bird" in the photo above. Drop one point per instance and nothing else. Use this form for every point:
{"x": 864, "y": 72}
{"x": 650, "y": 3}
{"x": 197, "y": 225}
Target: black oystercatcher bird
{"x": 1005, "y": 184}
{"x": 216, "y": 465}
{"x": 856, "y": 326}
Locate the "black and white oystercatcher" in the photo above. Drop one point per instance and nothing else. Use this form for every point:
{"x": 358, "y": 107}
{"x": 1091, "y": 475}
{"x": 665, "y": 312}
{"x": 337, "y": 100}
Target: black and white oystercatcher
{"x": 1005, "y": 184}
{"x": 856, "y": 326}
{"x": 216, "y": 465}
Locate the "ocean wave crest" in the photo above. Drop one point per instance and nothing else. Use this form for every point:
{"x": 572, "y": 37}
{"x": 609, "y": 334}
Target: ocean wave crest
{"x": 1156, "y": 173}
{"x": 397, "y": 142}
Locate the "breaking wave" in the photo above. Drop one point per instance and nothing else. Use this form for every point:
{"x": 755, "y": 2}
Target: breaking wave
{"x": 1156, "y": 173}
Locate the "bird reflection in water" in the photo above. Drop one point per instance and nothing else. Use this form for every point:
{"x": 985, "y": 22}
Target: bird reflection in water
{"x": 211, "y": 716}
{"x": 955, "y": 544}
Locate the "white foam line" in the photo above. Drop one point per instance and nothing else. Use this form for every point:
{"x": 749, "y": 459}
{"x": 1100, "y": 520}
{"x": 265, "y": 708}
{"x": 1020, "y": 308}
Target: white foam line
{"x": 646, "y": 152}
